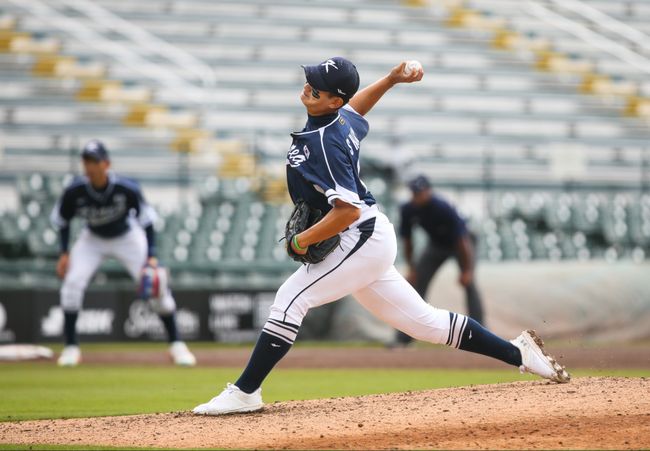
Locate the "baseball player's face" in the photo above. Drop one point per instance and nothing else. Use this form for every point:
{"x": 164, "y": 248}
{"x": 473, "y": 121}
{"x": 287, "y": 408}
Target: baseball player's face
{"x": 96, "y": 171}
{"x": 319, "y": 102}
{"x": 421, "y": 197}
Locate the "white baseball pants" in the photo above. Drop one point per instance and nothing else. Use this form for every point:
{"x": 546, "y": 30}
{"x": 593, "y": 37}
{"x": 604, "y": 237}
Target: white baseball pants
{"x": 362, "y": 266}
{"x": 91, "y": 250}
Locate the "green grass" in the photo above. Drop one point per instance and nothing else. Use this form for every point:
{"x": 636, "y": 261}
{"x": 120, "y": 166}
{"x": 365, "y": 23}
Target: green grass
{"x": 42, "y": 390}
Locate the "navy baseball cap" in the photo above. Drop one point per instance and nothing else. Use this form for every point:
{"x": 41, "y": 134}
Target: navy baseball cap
{"x": 419, "y": 184}
{"x": 95, "y": 150}
{"x": 336, "y": 75}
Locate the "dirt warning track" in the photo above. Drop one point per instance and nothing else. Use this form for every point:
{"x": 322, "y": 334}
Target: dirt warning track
{"x": 593, "y": 413}
{"x": 628, "y": 356}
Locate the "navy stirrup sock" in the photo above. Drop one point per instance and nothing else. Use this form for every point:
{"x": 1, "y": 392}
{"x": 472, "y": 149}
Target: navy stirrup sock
{"x": 273, "y": 343}
{"x": 468, "y": 335}
{"x": 267, "y": 353}
{"x": 169, "y": 321}
{"x": 70, "y": 328}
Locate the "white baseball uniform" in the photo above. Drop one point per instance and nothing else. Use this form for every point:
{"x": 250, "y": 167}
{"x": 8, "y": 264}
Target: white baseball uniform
{"x": 323, "y": 165}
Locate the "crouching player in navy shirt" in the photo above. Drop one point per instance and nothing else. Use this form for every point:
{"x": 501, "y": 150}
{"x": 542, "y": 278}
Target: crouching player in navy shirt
{"x": 448, "y": 238}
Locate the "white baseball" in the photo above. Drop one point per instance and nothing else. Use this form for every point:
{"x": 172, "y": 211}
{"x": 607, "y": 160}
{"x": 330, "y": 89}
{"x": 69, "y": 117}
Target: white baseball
{"x": 412, "y": 66}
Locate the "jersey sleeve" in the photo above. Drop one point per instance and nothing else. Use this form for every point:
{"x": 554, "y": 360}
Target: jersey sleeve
{"x": 348, "y": 107}
{"x": 359, "y": 123}
{"x": 145, "y": 213}
{"x": 63, "y": 210}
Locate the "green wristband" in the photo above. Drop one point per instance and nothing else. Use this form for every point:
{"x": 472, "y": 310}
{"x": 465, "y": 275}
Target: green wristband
{"x": 295, "y": 243}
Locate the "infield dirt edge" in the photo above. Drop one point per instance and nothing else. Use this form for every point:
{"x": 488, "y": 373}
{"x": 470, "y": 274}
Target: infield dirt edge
{"x": 590, "y": 412}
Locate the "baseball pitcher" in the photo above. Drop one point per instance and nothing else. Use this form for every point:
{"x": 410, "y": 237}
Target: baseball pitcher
{"x": 356, "y": 242}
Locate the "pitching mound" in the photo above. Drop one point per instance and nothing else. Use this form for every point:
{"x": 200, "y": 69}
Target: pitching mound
{"x": 587, "y": 413}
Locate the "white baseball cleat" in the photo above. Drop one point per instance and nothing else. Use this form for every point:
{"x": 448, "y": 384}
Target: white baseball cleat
{"x": 70, "y": 356}
{"x": 536, "y": 360}
{"x": 231, "y": 400}
{"x": 181, "y": 355}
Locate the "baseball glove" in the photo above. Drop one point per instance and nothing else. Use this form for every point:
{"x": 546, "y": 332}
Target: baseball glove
{"x": 302, "y": 218}
{"x": 153, "y": 282}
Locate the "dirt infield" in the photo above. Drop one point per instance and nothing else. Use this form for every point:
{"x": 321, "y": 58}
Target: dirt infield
{"x": 624, "y": 356}
{"x": 611, "y": 413}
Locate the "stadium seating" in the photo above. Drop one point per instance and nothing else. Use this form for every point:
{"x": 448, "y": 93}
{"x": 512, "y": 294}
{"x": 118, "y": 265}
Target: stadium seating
{"x": 471, "y": 92}
{"x": 569, "y": 226}
{"x": 231, "y": 238}
{"x": 508, "y": 101}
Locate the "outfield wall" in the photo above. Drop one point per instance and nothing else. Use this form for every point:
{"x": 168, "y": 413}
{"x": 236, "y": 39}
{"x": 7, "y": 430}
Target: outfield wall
{"x": 116, "y": 315}
{"x": 587, "y": 301}
{"x": 594, "y": 301}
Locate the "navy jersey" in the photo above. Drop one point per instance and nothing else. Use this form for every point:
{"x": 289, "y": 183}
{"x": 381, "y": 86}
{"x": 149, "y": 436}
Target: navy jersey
{"x": 323, "y": 161}
{"x": 439, "y": 220}
{"x": 107, "y": 212}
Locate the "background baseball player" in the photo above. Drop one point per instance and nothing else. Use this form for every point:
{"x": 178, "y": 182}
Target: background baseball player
{"x": 448, "y": 237}
{"x": 323, "y": 171}
{"x": 119, "y": 225}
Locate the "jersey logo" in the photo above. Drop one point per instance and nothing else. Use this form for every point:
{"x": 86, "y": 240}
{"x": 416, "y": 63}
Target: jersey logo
{"x": 327, "y": 65}
{"x": 306, "y": 151}
{"x": 294, "y": 157}
{"x": 105, "y": 214}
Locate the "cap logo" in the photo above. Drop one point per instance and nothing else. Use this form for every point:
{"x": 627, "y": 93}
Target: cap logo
{"x": 327, "y": 65}
{"x": 341, "y": 92}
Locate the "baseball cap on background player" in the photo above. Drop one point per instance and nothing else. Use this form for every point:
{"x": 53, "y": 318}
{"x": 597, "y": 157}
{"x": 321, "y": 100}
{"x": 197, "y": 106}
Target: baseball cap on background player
{"x": 336, "y": 75}
{"x": 419, "y": 184}
{"x": 95, "y": 150}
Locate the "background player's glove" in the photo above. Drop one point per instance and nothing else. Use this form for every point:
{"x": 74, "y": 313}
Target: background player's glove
{"x": 302, "y": 218}
{"x": 153, "y": 282}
